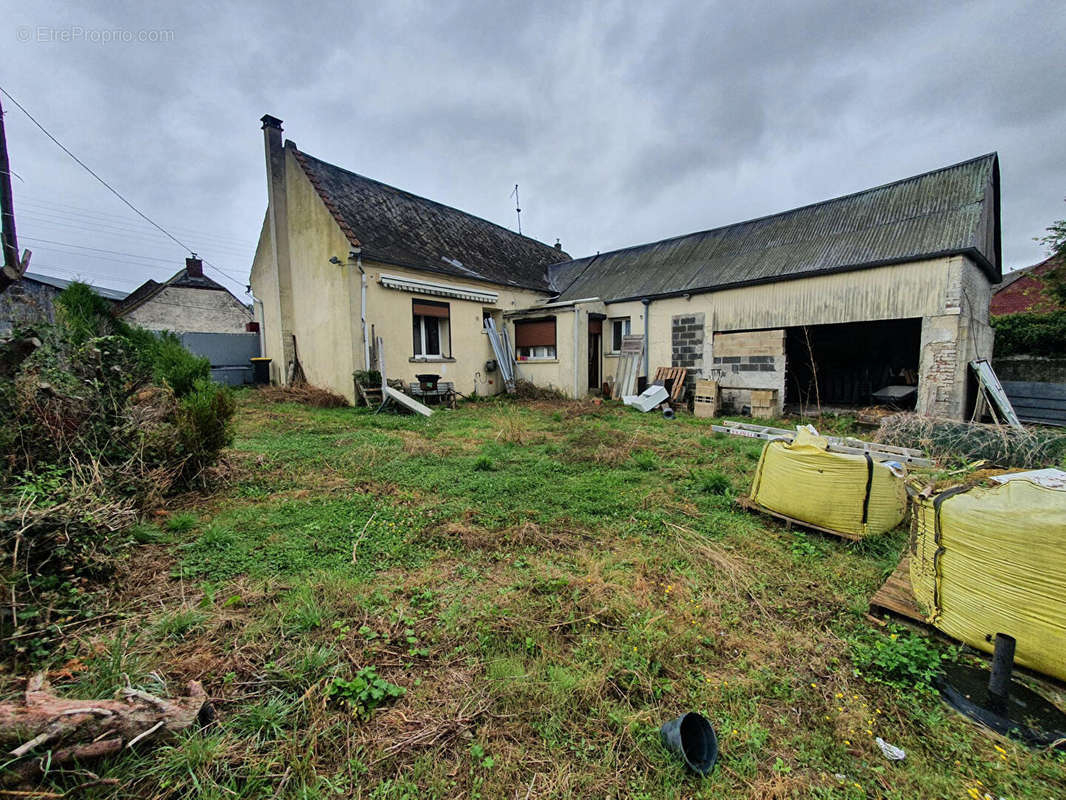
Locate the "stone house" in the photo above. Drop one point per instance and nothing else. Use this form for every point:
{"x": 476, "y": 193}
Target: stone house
{"x": 830, "y": 301}
{"x": 190, "y": 302}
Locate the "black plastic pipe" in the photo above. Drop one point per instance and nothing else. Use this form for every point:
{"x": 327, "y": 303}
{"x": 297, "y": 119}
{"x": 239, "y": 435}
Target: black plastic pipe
{"x": 1002, "y": 667}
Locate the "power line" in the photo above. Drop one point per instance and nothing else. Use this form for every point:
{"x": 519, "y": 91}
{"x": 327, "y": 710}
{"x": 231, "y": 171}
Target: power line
{"x": 110, "y": 188}
{"x": 98, "y": 250}
{"x": 45, "y": 207}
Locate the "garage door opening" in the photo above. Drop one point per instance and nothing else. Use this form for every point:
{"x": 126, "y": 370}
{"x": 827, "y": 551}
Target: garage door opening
{"x": 844, "y": 366}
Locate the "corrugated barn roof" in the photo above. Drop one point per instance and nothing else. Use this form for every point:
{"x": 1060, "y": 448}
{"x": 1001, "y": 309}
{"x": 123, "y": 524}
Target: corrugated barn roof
{"x": 947, "y": 211}
{"x": 397, "y": 227}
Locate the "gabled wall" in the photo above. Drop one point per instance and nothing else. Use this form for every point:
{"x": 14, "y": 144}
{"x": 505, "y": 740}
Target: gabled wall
{"x": 185, "y": 309}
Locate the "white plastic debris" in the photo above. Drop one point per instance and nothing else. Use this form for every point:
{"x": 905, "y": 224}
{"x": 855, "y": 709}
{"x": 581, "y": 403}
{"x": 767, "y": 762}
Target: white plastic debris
{"x": 890, "y": 751}
{"x": 648, "y": 399}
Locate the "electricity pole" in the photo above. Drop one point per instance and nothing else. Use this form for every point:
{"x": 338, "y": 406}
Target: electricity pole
{"x": 13, "y": 268}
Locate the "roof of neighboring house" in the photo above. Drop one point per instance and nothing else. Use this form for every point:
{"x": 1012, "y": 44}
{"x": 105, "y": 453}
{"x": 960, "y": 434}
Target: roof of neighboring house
{"x": 63, "y": 283}
{"x": 397, "y": 227}
{"x": 1023, "y": 289}
{"x": 149, "y": 289}
{"x": 944, "y": 212}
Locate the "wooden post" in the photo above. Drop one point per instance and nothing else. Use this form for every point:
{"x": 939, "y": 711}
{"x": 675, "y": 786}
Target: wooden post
{"x": 12, "y": 269}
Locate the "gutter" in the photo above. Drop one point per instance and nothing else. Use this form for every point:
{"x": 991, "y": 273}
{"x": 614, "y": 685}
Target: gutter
{"x": 647, "y": 340}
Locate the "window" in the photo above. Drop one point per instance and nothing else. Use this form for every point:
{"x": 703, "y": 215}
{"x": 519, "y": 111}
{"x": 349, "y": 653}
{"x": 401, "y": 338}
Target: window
{"x": 430, "y": 329}
{"x": 534, "y": 338}
{"x": 619, "y": 328}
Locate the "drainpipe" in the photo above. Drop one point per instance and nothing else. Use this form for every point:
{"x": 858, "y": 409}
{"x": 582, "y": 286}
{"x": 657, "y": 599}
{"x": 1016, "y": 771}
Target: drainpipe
{"x": 647, "y": 341}
{"x": 362, "y": 306}
{"x": 577, "y": 344}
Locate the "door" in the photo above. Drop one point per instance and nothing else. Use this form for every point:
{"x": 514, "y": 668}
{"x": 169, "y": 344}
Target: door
{"x": 595, "y": 333}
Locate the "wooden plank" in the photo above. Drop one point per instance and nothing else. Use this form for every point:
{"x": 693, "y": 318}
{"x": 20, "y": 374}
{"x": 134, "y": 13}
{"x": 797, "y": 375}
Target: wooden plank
{"x": 408, "y": 402}
{"x": 750, "y": 505}
{"x": 896, "y": 595}
{"x": 1049, "y": 391}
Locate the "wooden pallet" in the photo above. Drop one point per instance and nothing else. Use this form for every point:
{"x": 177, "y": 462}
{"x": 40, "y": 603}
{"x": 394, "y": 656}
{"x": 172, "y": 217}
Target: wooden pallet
{"x": 896, "y": 596}
{"x": 750, "y": 505}
{"x": 678, "y": 375}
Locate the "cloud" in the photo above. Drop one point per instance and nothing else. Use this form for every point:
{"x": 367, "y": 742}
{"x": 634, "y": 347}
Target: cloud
{"x": 622, "y": 123}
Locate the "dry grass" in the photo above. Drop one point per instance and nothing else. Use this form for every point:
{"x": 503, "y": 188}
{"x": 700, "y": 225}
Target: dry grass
{"x": 303, "y": 393}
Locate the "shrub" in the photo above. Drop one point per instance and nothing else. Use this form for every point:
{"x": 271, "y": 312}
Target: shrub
{"x": 1030, "y": 334}
{"x": 176, "y": 367}
{"x": 203, "y": 424}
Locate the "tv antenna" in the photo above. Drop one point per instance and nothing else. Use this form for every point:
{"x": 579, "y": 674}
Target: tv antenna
{"x": 517, "y": 209}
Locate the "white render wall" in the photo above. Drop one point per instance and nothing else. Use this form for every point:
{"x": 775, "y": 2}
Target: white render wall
{"x": 187, "y": 310}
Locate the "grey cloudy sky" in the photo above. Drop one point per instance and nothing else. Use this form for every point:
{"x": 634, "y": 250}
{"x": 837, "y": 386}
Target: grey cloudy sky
{"x": 622, "y": 122}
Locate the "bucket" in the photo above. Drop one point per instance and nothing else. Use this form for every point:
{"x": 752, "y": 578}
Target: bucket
{"x": 692, "y": 738}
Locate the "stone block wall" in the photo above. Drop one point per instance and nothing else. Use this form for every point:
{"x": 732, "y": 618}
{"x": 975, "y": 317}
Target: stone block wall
{"x": 746, "y": 361}
{"x": 686, "y": 346}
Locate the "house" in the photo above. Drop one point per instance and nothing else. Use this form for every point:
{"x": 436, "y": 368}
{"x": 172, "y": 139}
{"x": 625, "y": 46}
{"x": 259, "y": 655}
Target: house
{"x": 208, "y": 319}
{"x": 343, "y": 260}
{"x": 31, "y": 300}
{"x": 1022, "y": 291}
{"x": 188, "y": 302}
{"x": 824, "y": 304}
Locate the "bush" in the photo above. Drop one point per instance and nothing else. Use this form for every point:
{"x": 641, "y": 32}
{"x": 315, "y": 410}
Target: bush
{"x": 948, "y": 441}
{"x": 175, "y": 366}
{"x": 1031, "y": 334}
{"x": 203, "y": 424}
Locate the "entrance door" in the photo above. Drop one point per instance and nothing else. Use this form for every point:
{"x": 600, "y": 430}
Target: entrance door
{"x": 595, "y": 333}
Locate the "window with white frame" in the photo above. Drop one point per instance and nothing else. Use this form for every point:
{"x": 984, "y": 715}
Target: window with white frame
{"x": 619, "y": 328}
{"x": 431, "y": 334}
{"x": 534, "y": 339}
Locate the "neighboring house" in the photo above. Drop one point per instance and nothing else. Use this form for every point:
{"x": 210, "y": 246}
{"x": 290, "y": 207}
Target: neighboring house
{"x": 30, "y": 300}
{"x": 208, "y": 319}
{"x": 826, "y": 303}
{"x": 1022, "y": 290}
{"x": 188, "y": 302}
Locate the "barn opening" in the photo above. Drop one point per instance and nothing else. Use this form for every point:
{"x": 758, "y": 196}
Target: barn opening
{"x": 844, "y": 365}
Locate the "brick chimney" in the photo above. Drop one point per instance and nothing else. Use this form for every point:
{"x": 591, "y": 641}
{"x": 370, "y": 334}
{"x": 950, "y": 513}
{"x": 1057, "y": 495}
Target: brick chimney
{"x": 194, "y": 267}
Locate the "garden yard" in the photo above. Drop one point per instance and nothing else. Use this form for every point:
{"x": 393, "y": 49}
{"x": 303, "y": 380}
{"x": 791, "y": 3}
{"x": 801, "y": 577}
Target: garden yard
{"x": 506, "y": 601}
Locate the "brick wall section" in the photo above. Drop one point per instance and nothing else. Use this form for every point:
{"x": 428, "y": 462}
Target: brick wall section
{"x": 686, "y": 346}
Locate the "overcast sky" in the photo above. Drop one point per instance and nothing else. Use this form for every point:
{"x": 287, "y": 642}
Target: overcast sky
{"x": 622, "y": 123}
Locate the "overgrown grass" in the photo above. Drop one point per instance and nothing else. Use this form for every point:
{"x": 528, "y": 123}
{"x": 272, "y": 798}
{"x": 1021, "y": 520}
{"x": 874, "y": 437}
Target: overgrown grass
{"x": 508, "y": 600}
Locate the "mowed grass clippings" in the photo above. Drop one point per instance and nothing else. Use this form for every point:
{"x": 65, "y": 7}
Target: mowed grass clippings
{"x": 507, "y": 600}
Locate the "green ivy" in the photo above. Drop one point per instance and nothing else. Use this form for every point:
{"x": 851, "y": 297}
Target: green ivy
{"x": 1031, "y": 334}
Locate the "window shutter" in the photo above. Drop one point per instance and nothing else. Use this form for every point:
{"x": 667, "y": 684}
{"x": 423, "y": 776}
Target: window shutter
{"x": 424, "y": 309}
{"x": 538, "y": 333}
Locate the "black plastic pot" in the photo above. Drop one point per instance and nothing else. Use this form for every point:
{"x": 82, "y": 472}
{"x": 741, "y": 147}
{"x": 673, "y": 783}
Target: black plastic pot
{"x": 692, "y": 738}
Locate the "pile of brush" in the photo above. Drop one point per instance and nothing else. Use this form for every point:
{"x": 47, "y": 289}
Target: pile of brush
{"x": 952, "y": 441}
{"x": 303, "y": 393}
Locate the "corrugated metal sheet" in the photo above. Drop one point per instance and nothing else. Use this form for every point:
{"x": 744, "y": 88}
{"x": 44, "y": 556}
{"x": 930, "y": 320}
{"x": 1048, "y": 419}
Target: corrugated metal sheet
{"x": 937, "y": 213}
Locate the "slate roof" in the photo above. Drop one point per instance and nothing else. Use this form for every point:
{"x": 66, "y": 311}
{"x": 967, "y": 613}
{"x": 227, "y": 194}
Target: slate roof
{"x": 944, "y": 212}
{"x": 396, "y": 227}
{"x": 149, "y": 289}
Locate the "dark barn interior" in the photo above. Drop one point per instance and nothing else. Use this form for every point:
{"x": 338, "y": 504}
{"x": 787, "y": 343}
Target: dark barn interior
{"x": 844, "y": 365}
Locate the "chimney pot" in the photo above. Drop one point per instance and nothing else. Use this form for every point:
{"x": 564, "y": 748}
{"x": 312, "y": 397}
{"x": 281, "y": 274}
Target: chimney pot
{"x": 194, "y": 267}
{"x": 270, "y": 122}
{"x": 558, "y": 245}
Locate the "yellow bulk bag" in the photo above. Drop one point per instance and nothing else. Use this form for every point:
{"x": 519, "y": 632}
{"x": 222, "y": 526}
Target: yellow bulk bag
{"x": 988, "y": 561}
{"x": 850, "y": 494}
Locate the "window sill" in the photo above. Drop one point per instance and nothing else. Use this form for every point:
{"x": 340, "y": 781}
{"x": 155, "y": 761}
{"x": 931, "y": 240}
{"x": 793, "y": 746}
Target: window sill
{"x": 431, "y": 360}
{"x": 538, "y": 361}
{"x": 611, "y": 355}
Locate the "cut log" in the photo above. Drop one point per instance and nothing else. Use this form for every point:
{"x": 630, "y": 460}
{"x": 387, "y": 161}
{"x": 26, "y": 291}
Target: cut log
{"x": 45, "y": 730}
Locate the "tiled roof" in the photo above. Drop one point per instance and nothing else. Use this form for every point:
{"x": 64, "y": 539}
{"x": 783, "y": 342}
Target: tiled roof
{"x": 948, "y": 211}
{"x": 397, "y": 227}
